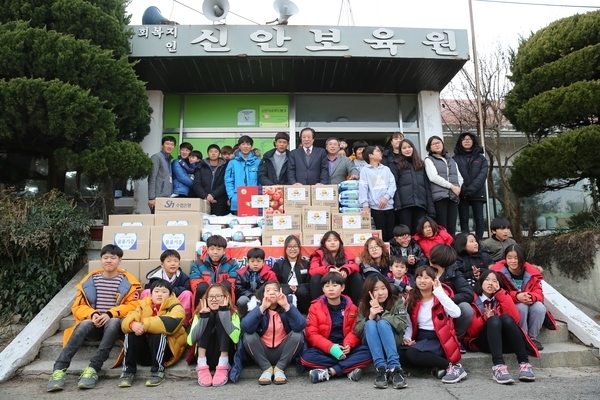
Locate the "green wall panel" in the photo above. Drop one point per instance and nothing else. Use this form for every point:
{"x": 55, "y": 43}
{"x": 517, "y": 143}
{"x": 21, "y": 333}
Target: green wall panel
{"x": 220, "y": 111}
{"x": 172, "y": 107}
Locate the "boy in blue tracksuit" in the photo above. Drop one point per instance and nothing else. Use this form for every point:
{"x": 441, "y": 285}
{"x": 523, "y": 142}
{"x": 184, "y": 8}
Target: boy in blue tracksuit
{"x": 183, "y": 169}
{"x": 241, "y": 171}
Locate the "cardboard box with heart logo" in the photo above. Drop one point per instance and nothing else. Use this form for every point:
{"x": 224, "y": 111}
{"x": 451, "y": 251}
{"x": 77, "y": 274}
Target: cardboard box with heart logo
{"x": 180, "y": 219}
{"x": 180, "y": 238}
{"x": 131, "y": 220}
{"x": 134, "y": 240}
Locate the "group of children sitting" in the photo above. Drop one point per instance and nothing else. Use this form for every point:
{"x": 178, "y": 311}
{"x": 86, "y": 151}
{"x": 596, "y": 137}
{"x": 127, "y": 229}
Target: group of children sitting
{"x": 401, "y": 307}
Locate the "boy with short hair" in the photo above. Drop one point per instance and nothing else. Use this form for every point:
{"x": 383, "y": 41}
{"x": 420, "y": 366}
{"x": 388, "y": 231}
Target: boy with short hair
{"x": 251, "y": 278}
{"x": 399, "y": 278}
{"x": 160, "y": 180}
{"x": 170, "y": 270}
{"x": 500, "y": 239}
{"x": 103, "y": 297}
{"x": 154, "y": 334}
{"x": 404, "y": 245}
{"x": 241, "y": 171}
{"x": 183, "y": 170}
{"x": 216, "y": 268}
{"x": 334, "y": 349}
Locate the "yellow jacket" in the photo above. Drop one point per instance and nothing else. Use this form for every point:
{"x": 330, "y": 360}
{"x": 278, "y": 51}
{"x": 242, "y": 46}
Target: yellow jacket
{"x": 84, "y": 305}
{"x": 168, "y": 321}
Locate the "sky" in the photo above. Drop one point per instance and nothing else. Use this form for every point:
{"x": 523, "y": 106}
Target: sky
{"x": 494, "y": 22}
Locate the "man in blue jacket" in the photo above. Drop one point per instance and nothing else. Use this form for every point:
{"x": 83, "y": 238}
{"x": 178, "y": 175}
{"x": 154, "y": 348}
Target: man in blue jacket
{"x": 241, "y": 171}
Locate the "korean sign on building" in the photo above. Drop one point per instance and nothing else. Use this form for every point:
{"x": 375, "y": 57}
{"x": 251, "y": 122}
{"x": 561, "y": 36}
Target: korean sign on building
{"x": 294, "y": 41}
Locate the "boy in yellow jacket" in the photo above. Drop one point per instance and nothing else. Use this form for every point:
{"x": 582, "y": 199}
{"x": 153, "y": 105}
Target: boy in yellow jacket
{"x": 103, "y": 297}
{"x": 154, "y": 334}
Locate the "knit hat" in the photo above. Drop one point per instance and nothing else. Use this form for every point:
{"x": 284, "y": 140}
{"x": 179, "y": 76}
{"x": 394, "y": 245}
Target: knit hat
{"x": 213, "y": 146}
{"x": 246, "y": 139}
{"x": 282, "y": 135}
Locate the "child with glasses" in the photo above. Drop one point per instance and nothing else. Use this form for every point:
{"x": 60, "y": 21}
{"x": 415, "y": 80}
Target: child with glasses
{"x": 215, "y": 332}
{"x": 375, "y": 258}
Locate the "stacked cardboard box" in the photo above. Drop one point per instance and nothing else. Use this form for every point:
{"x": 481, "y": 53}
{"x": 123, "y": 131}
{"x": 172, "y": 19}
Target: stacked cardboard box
{"x": 176, "y": 225}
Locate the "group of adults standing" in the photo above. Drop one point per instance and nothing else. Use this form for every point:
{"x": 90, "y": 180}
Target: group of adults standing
{"x": 441, "y": 186}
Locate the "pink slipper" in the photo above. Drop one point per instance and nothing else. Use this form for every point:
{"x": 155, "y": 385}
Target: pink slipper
{"x": 204, "y": 377}
{"x": 221, "y": 375}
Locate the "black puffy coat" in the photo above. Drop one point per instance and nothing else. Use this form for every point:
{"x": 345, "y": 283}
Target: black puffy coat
{"x": 466, "y": 261}
{"x": 413, "y": 190}
{"x": 453, "y": 277}
{"x": 473, "y": 167}
{"x": 207, "y": 181}
{"x": 266, "y": 170}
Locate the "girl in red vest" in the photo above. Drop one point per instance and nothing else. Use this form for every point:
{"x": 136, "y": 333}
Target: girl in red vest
{"x": 429, "y": 339}
{"x": 494, "y": 328}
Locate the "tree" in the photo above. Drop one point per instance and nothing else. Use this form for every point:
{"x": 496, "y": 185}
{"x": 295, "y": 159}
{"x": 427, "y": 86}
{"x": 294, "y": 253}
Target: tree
{"x": 461, "y": 114}
{"x": 556, "y": 102}
{"x": 68, "y": 91}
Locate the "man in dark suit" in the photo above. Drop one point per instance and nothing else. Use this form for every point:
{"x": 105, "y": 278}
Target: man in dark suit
{"x": 307, "y": 165}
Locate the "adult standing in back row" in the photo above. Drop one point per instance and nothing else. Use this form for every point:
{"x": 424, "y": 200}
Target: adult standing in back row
{"x": 446, "y": 181}
{"x": 273, "y": 168}
{"x": 160, "y": 180}
{"x": 473, "y": 167}
{"x": 307, "y": 165}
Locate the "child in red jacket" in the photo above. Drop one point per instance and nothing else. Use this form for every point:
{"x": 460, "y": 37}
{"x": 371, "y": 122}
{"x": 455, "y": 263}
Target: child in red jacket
{"x": 331, "y": 257}
{"x": 494, "y": 328}
{"x": 429, "y": 233}
{"x": 334, "y": 348}
{"x": 524, "y": 282}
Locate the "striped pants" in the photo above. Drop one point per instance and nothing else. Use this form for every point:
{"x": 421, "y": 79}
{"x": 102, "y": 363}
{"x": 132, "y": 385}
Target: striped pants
{"x": 147, "y": 350}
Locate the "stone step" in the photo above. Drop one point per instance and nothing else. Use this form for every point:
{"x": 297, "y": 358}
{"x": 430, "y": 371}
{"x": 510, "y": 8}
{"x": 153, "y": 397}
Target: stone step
{"x": 66, "y": 322}
{"x": 52, "y": 347}
{"x": 554, "y": 355}
{"x": 560, "y": 335}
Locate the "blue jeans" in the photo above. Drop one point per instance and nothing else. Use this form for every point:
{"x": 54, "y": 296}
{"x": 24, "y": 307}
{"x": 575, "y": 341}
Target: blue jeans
{"x": 107, "y": 335}
{"x": 382, "y": 344}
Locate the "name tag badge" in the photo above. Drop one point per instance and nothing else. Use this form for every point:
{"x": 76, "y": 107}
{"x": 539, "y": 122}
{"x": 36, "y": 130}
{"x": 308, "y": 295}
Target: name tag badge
{"x": 303, "y": 271}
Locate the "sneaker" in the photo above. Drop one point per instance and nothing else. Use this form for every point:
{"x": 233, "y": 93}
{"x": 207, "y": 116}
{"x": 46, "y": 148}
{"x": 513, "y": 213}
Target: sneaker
{"x": 318, "y": 375}
{"x": 526, "y": 372}
{"x": 126, "y": 379}
{"x": 537, "y": 344}
{"x": 221, "y": 375}
{"x": 381, "y": 378}
{"x": 57, "y": 380}
{"x": 156, "y": 378}
{"x": 500, "y": 374}
{"x": 397, "y": 378}
{"x": 88, "y": 378}
{"x": 204, "y": 376}
{"x": 454, "y": 373}
{"x": 355, "y": 375}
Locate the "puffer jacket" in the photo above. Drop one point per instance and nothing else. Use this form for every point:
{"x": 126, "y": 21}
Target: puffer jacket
{"x": 240, "y": 172}
{"x": 181, "y": 282}
{"x": 267, "y": 176}
{"x": 244, "y": 283}
{"x": 207, "y": 181}
{"x": 258, "y": 322}
{"x": 182, "y": 183}
{"x": 443, "y": 324}
{"x": 447, "y": 170}
{"x": 463, "y": 292}
{"x": 466, "y": 261}
{"x": 473, "y": 167}
{"x": 203, "y": 272}
{"x": 169, "y": 321}
{"x": 504, "y": 305}
{"x": 532, "y": 284}
{"x": 318, "y": 324}
{"x": 414, "y": 190}
{"x": 413, "y": 249}
{"x": 318, "y": 265}
{"x": 441, "y": 237}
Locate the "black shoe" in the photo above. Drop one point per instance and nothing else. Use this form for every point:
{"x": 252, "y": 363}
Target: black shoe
{"x": 381, "y": 378}
{"x": 537, "y": 344}
{"x": 397, "y": 377}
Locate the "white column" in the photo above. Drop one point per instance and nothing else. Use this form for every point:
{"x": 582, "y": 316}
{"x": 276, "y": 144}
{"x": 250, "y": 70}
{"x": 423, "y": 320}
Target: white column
{"x": 151, "y": 145}
{"x": 430, "y": 117}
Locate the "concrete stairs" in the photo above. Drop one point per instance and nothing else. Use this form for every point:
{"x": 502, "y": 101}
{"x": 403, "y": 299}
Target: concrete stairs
{"x": 559, "y": 351}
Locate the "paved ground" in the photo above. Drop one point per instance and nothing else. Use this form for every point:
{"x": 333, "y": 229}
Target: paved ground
{"x": 552, "y": 383}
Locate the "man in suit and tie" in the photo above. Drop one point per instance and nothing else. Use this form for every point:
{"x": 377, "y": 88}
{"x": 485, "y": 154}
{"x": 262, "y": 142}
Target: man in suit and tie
{"x": 307, "y": 165}
{"x": 339, "y": 167}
